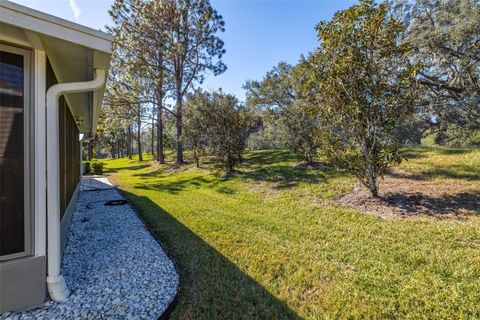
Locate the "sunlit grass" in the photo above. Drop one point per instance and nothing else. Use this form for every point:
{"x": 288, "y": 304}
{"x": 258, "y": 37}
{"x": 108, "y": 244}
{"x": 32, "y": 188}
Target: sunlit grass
{"x": 267, "y": 243}
{"x": 444, "y": 163}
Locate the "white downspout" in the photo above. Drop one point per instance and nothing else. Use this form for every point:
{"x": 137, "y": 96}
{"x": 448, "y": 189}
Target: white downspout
{"x": 57, "y": 287}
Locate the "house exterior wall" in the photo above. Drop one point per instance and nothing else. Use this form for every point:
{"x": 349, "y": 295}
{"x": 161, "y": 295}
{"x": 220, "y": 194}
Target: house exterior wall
{"x": 69, "y": 160}
{"x": 75, "y": 52}
{"x": 23, "y": 279}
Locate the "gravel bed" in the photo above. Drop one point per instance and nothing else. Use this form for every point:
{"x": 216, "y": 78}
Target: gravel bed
{"x": 113, "y": 266}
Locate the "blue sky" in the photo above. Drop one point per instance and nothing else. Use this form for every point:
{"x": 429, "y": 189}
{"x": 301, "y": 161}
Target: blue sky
{"x": 259, "y": 34}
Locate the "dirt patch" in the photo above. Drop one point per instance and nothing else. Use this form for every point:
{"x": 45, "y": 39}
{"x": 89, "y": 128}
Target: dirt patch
{"x": 310, "y": 165}
{"x": 228, "y": 175}
{"x": 177, "y": 168}
{"x": 412, "y": 197}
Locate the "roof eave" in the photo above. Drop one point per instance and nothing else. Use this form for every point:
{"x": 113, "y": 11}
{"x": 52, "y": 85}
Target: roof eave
{"x": 37, "y": 21}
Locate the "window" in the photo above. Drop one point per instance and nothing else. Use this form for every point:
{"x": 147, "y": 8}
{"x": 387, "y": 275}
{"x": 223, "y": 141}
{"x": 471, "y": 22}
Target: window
{"x": 15, "y": 215}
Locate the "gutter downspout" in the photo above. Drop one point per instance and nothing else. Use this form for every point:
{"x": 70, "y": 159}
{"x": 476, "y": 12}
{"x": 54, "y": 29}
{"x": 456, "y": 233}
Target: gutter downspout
{"x": 57, "y": 287}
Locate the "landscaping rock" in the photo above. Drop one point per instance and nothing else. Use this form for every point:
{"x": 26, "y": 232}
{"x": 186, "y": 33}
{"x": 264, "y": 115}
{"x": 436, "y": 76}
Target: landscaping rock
{"x": 110, "y": 260}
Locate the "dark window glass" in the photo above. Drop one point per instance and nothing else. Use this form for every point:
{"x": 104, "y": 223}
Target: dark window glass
{"x": 12, "y": 211}
{"x": 69, "y": 156}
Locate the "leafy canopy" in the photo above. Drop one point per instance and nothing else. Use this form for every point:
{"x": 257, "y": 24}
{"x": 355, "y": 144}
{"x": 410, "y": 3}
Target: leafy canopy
{"x": 361, "y": 84}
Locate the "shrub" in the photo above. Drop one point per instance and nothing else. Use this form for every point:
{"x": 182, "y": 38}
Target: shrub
{"x": 228, "y": 124}
{"x": 220, "y": 123}
{"x": 86, "y": 167}
{"x": 96, "y": 167}
{"x": 302, "y": 127}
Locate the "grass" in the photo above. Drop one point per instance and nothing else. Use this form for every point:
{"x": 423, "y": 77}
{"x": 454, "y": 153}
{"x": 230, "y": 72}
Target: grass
{"x": 269, "y": 244}
{"x": 443, "y": 163}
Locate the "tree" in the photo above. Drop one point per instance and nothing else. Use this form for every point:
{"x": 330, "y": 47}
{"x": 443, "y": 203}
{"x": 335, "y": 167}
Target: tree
{"x": 225, "y": 124}
{"x": 276, "y": 94}
{"x": 228, "y": 124}
{"x": 110, "y": 132}
{"x": 362, "y": 87}
{"x": 302, "y": 125}
{"x": 196, "y": 130}
{"x": 269, "y": 131}
{"x": 175, "y": 43}
{"x": 445, "y": 37}
{"x": 123, "y": 102}
{"x": 275, "y": 91}
{"x": 141, "y": 39}
{"x": 193, "y": 49}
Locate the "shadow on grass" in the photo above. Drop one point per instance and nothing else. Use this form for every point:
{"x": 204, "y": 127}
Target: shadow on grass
{"x": 139, "y": 166}
{"x": 416, "y": 153}
{"x": 452, "y": 151}
{"x": 421, "y": 203}
{"x": 286, "y": 176}
{"x": 283, "y": 176}
{"x": 211, "y": 286}
{"x": 277, "y": 167}
{"x": 461, "y": 172}
{"x": 180, "y": 184}
{"x": 264, "y": 157}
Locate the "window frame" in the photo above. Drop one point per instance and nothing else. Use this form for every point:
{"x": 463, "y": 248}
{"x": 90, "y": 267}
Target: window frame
{"x": 28, "y": 159}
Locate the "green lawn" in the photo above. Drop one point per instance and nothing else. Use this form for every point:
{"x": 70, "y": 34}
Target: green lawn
{"x": 270, "y": 243}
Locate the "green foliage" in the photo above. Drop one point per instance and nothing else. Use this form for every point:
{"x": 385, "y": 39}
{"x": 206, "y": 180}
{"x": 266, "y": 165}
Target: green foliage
{"x": 456, "y": 136}
{"x": 361, "y": 86}
{"x": 228, "y": 128}
{"x": 86, "y": 166}
{"x": 196, "y": 136}
{"x": 271, "y": 134}
{"x": 302, "y": 125}
{"x": 169, "y": 46}
{"x": 275, "y": 91}
{"x": 410, "y": 132}
{"x": 219, "y": 122}
{"x": 444, "y": 37}
{"x": 96, "y": 167}
{"x": 276, "y": 95}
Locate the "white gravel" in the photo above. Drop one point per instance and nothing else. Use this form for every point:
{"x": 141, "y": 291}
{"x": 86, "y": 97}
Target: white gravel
{"x": 113, "y": 266}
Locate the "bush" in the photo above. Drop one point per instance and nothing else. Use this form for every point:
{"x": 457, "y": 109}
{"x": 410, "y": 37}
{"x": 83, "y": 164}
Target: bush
{"x": 86, "y": 167}
{"x": 302, "y": 127}
{"x": 219, "y": 122}
{"x": 96, "y": 167}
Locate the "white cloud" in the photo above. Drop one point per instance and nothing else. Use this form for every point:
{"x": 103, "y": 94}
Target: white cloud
{"x": 75, "y": 9}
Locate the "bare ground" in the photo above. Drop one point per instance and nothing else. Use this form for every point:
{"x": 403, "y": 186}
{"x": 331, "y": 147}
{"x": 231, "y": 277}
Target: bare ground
{"x": 401, "y": 195}
{"x": 309, "y": 165}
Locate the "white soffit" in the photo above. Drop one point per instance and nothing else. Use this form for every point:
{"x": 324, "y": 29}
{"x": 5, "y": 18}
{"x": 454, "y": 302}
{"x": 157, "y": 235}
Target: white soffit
{"x": 30, "y": 19}
{"x": 74, "y": 51}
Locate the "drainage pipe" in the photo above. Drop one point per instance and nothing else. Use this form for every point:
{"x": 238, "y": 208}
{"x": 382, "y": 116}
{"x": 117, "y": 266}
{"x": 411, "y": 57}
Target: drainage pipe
{"x": 57, "y": 287}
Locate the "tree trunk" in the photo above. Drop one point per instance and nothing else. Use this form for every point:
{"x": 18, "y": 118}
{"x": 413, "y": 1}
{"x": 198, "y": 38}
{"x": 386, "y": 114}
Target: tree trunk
{"x": 197, "y": 158}
{"x": 90, "y": 150}
{"x": 160, "y": 152}
{"x": 152, "y": 141}
{"x": 160, "y": 95}
{"x": 371, "y": 178}
{"x": 231, "y": 166}
{"x": 129, "y": 142}
{"x": 372, "y": 186}
{"x": 139, "y": 136}
{"x": 178, "y": 138}
{"x": 119, "y": 149}
{"x": 179, "y": 124}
